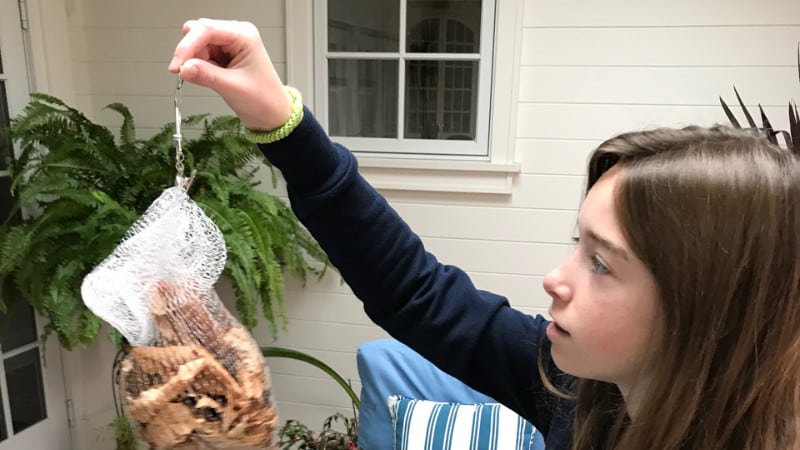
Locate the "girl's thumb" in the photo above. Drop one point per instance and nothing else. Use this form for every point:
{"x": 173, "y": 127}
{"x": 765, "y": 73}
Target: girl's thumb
{"x": 202, "y": 73}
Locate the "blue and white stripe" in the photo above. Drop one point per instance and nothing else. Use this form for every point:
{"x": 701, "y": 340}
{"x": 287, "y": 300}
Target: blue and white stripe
{"x": 427, "y": 425}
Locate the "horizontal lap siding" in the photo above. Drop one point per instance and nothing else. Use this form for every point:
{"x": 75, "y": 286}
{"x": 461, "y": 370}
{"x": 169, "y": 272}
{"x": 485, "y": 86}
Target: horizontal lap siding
{"x": 120, "y": 52}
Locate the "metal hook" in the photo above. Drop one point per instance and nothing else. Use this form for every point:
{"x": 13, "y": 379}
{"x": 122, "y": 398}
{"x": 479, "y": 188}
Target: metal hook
{"x": 180, "y": 179}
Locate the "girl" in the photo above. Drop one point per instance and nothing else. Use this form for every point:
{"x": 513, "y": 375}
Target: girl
{"x": 676, "y": 322}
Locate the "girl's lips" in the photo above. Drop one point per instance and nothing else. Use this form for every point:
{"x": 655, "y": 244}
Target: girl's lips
{"x": 554, "y": 331}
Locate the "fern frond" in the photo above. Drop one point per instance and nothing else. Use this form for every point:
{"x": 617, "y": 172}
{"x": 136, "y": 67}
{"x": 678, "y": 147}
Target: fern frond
{"x": 87, "y": 328}
{"x": 215, "y": 183}
{"x": 226, "y": 123}
{"x": 127, "y": 131}
{"x": 41, "y": 190}
{"x": 244, "y": 291}
{"x": 14, "y": 242}
{"x": 270, "y": 284}
{"x": 274, "y": 299}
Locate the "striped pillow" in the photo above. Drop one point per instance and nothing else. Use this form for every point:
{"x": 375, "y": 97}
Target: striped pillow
{"x": 428, "y": 425}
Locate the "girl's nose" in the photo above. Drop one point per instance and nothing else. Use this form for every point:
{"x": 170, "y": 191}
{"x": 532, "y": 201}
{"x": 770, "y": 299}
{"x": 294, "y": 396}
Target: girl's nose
{"x": 555, "y": 284}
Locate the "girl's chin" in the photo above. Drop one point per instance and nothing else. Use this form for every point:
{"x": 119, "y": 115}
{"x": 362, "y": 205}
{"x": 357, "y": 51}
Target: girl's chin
{"x": 569, "y": 364}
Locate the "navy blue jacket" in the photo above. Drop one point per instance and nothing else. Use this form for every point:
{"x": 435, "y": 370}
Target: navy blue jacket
{"x": 433, "y": 308}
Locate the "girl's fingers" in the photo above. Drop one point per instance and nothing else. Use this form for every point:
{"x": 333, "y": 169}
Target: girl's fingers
{"x": 202, "y": 73}
{"x": 200, "y": 36}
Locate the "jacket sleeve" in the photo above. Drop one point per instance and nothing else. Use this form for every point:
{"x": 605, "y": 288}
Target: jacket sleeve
{"x": 434, "y": 308}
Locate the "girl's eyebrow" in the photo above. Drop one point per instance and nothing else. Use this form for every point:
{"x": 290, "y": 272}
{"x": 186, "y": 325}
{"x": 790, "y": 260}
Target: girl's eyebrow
{"x": 607, "y": 244}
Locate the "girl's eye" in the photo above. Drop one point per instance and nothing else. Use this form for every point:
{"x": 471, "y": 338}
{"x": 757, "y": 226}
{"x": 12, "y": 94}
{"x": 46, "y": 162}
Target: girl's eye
{"x": 598, "y": 267}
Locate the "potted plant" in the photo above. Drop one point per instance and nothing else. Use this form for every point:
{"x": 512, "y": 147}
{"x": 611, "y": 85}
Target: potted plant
{"x": 79, "y": 188}
{"x": 295, "y": 435}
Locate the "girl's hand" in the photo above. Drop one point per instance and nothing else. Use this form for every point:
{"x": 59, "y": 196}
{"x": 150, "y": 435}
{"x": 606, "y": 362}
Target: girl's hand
{"x": 229, "y": 57}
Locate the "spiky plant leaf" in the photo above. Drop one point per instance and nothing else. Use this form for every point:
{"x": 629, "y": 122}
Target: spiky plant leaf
{"x": 770, "y": 133}
{"x": 791, "y": 137}
{"x": 729, "y": 113}
{"x": 747, "y": 114}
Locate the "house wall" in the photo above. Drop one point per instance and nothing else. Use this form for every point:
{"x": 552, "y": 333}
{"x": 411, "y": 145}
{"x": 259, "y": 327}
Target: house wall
{"x": 587, "y": 72}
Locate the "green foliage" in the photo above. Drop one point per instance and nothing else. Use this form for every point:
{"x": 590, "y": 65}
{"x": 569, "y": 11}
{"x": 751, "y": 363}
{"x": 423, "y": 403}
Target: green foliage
{"x": 296, "y": 435}
{"x": 79, "y": 188}
{"x": 281, "y": 352}
{"x": 124, "y": 436}
{"x": 791, "y": 138}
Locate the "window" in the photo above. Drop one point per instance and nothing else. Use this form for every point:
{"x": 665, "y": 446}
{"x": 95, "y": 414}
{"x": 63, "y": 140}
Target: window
{"x": 450, "y": 162}
{"x": 22, "y": 398}
{"x": 5, "y": 120}
{"x": 22, "y": 392}
{"x": 409, "y": 77}
{"x": 22, "y": 385}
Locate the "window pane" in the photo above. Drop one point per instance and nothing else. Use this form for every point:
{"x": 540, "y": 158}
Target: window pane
{"x": 6, "y": 200}
{"x": 25, "y": 389}
{"x": 5, "y": 143}
{"x": 443, "y": 26}
{"x": 362, "y": 98}
{"x": 363, "y": 25}
{"x": 441, "y": 99}
{"x": 17, "y": 327}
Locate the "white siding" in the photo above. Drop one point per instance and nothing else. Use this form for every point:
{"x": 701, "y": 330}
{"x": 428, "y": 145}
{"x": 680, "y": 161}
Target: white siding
{"x": 120, "y": 51}
{"x": 588, "y": 71}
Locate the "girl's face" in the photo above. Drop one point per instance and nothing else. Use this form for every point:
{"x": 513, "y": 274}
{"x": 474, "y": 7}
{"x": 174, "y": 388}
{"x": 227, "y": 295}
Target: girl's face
{"x": 604, "y": 299}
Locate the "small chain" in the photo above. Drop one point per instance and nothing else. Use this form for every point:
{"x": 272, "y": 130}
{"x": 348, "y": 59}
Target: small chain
{"x": 179, "y": 179}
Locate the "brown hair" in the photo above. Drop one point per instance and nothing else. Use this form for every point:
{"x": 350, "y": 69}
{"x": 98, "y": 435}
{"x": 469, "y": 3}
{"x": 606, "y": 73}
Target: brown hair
{"x": 714, "y": 214}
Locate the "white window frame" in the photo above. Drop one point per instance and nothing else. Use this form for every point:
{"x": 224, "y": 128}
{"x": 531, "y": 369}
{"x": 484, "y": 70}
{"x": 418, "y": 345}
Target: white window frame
{"x": 401, "y": 145}
{"x": 490, "y": 173}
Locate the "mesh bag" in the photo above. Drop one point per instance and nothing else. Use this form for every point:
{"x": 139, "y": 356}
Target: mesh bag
{"x": 192, "y": 377}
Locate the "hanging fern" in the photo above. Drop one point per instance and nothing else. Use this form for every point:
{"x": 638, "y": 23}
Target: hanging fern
{"x": 78, "y": 190}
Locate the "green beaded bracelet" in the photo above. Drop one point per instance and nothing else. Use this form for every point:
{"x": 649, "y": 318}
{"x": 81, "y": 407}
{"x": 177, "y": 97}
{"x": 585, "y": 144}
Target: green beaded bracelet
{"x": 267, "y": 137}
